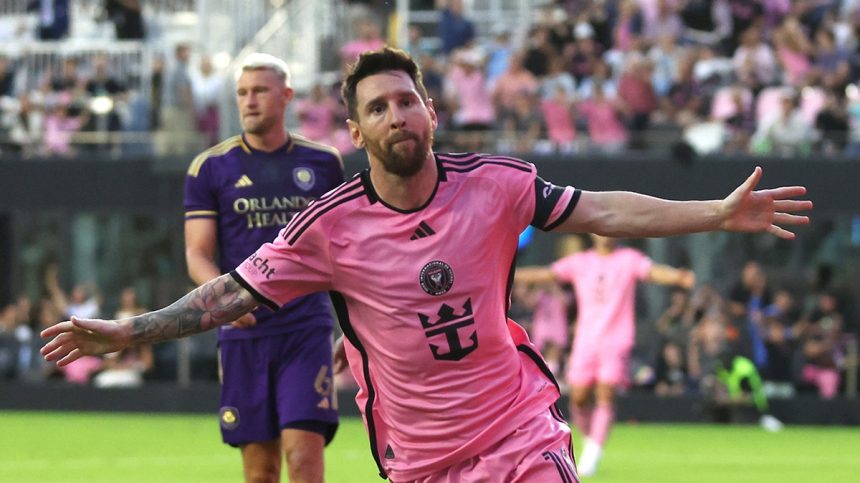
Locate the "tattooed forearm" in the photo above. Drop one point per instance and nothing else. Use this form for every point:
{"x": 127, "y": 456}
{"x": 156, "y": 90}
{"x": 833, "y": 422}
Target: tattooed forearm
{"x": 218, "y": 302}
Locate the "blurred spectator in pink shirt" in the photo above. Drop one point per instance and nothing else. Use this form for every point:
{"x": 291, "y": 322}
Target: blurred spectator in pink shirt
{"x": 60, "y": 127}
{"x": 369, "y": 38}
{"x": 636, "y": 92}
{"x": 515, "y": 79}
{"x": 605, "y": 129}
{"x": 792, "y": 51}
{"x": 467, "y": 97}
{"x": 558, "y": 117}
{"x": 316, "y": 115}
{"x": 628, "y": 26}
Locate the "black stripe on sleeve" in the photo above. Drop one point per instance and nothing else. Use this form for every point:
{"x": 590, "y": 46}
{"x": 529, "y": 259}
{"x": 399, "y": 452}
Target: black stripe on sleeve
{"x": 547, "y": 196}
{"x": 257, "y": 295}
{"x": 567, "y": 211}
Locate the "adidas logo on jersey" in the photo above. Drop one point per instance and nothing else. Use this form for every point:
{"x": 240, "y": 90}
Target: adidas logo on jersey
{"x": 422, "y": 231}
{"x": 244, "y": 182}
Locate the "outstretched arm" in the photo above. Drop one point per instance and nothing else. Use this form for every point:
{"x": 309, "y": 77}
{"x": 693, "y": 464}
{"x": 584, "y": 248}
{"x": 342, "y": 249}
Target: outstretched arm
{"x": 668, "y": 275}
{"x": 217, "y": 302}
{"x": 626, "y": 214}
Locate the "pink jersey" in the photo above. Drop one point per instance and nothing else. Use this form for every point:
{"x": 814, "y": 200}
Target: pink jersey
{"x": 605, "y": 294}
{"x": 421, "y": 296}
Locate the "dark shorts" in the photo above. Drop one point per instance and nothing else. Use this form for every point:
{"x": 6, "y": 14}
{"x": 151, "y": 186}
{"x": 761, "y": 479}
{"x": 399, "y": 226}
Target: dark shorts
{"x": 277, "y": 382}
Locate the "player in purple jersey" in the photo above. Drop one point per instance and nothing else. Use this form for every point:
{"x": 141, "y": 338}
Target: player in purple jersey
{"x": 420, "y": 248}
{"x": 276, "y": 392}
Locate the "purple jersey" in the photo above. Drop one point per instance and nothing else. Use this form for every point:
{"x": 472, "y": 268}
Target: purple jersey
{"x": 253, "y": 194}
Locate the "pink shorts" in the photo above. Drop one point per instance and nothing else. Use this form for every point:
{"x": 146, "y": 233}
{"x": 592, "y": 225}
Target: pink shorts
{"x": 591, "y": 365}
{"x": 539, "y": 450}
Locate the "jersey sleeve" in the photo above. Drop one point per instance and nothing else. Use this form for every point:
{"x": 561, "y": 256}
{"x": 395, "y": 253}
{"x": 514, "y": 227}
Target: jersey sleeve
{"x": 641, "y": 264}
{"x": 533, "y": 200}
{"x": 565, "y": 268}
{"x": 280, "y": 271}
{"x": 201, "y": 200}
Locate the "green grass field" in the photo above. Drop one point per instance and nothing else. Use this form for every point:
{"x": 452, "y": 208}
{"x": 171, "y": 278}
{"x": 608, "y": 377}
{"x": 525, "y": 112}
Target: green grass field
{"x": 99, "y": 447}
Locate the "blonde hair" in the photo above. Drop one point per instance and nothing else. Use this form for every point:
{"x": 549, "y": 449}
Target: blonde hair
{"x": 259, "y": 61}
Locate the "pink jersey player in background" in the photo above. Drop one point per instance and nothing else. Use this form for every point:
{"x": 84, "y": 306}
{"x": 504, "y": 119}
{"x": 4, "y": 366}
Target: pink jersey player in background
{"x": 604, "y": 278}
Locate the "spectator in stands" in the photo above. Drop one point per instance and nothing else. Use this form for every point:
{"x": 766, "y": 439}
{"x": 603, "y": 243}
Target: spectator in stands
{"x": 585, "y": 53}
{"x": 785, "y": 132}
{"x": 177, "y": 107}
{"x": 369, "y": 38}
{"x": 455, "y": 30}
{"x": 515, "y": 79}
{"x": 666, "y": 22}
{"x": 831, "y": 63}
{"x": 832, "y": 125}
{"x": 754, "y": 63}
{"x": 8, "y": 76}
{"x": 602, "y": 75}
{"x": 316, "y": 115}
{"x": 606, "y": 130}
{"x": 670, "y": 371}
{"x": 558, "y": 117}
{"x": 206, "y": 87}
{"x": 499, "y": 53}
{"x": 522, "y": 125}
{"x": 665, "y": 57}
{"x": 467, "y": 98}
{"x": 747, "y": 300}
{"x": 127, "y": 17}
{"x": 636, "y": 93}
{"x": 156, "y": 91}
{"x": 127, "y": 367}
{"x": 68, "y": 80}
{"x": 107, "y": 100}
{"x": 53, "y": 18}
{"x": 62, "y": 121}
{"x": 744, "y": 14}
{"x": 741, "y": 124}
{"x": 793, "y": 50}
{"x": 781, "y": 330}
{"x": 538, "y": 52}
{"x": 821, "y": 346}
{"x": 628, "y": 26}
{"x": 706, "y": 22}
{"x": 674, "y": 324}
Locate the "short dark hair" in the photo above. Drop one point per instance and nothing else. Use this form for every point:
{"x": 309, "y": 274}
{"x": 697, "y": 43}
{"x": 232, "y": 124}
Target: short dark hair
{"x": 372, "y": 63}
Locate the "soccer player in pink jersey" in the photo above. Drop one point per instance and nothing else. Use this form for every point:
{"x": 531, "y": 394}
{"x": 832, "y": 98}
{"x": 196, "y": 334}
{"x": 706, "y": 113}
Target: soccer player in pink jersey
{"x": 604, "y": 278}
{"x": 418, "y": 252}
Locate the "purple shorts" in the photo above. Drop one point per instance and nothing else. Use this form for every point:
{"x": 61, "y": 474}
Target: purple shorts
{"x": 277, "y": 382}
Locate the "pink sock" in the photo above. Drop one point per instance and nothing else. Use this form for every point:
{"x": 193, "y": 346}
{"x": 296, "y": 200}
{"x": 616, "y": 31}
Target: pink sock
{"x": 582, "y": 418}
{"x": 601, "y": 423}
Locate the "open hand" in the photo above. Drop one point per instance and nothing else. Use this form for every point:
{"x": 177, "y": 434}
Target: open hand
{"x": 76, "y": 338}
{"x": 746, "y": 210}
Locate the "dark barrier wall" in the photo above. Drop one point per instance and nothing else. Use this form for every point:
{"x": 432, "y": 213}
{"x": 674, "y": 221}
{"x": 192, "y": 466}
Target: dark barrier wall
{"x": 203, "y": 398}
{"x": 155, "y": 186}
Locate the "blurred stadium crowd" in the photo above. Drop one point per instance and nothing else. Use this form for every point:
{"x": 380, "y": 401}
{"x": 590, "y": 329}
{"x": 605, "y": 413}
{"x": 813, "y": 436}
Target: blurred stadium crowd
{"x": 770, "y": 77}
{"x": 686, "y": 77}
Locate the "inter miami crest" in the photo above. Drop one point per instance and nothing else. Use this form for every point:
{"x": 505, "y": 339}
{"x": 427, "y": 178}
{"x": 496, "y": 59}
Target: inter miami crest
{"x": 304, "y": 178}
{"x": 436, "y": 277}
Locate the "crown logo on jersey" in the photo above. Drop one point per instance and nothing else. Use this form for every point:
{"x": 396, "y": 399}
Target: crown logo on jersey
{"x": 449, "y": 324}
{"x": 422, "y": 231}
{"x": 446, "y": 314}
{"x": 244, "y": 182}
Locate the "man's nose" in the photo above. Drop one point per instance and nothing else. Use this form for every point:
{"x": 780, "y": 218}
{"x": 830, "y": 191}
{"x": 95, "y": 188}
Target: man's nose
{"x": 397, "y": 117}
